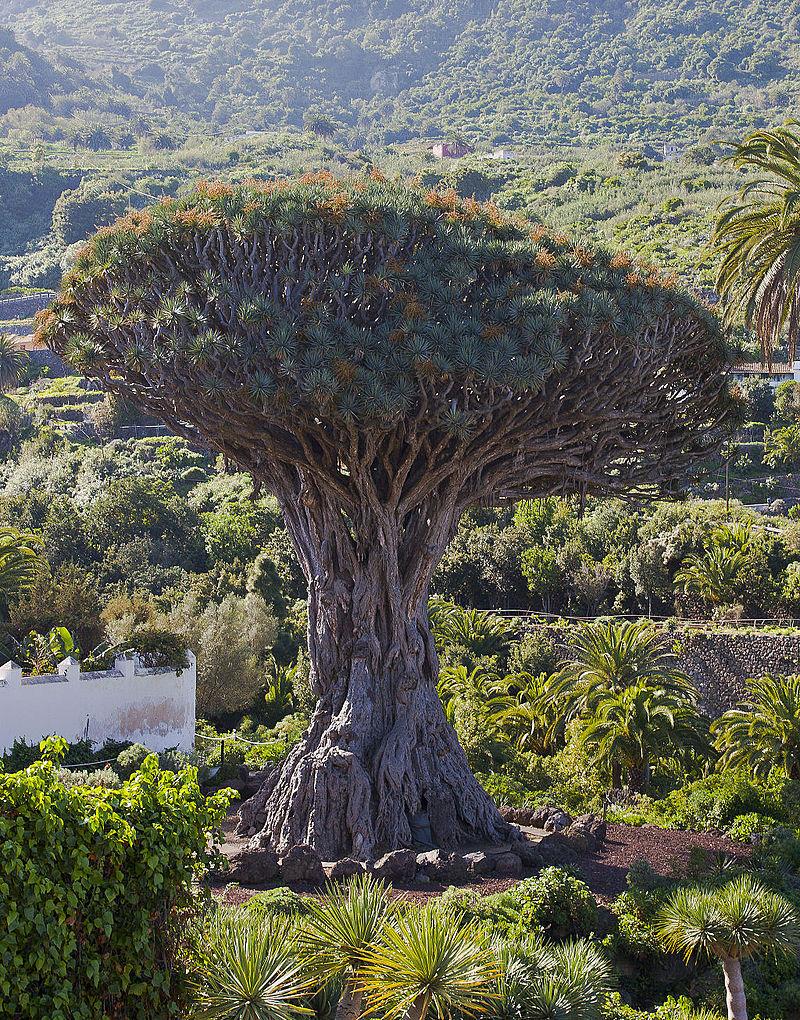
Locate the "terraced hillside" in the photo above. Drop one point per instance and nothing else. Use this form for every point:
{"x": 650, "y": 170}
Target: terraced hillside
{"x": 561, "y": 70}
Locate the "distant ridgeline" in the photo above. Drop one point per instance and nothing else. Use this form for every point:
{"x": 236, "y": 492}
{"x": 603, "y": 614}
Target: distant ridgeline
{"x": 562, "y": 71}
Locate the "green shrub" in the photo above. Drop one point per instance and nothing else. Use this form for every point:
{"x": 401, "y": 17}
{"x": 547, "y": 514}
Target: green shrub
{"x": 90, "y": 878}
{"x": 714, "y": 802}
{"x": 277, "y": 903}
{"x": 752, "y": 824}
{"x": 557, "y": 902}
{"x": 553, "y": 900}
{"x": 131, "y": 759}
{"x": 99, "y": 777}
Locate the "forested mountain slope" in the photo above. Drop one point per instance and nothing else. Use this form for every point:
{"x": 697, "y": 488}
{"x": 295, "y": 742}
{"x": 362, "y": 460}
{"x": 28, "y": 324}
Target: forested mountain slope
{"x": 557, "y": 69}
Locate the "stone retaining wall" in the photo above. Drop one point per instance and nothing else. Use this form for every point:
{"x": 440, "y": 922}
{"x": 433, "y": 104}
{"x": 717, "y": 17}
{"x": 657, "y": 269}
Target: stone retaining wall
{"x": 718, "y": 662}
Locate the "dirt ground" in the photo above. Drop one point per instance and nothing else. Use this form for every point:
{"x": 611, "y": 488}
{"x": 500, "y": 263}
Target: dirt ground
{"x": 669, "y": 852}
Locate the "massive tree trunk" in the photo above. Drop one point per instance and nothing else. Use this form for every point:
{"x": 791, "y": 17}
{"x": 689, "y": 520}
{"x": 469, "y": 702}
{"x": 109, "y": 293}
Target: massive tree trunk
{"x": 379, "y": 766}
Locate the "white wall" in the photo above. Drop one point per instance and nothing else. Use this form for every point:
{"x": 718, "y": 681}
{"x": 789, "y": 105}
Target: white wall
{"x": 155, "y": 707}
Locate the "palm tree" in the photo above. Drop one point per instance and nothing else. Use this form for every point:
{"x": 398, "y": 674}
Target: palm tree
{"x": 248, "y": 970}
{"x": 12, "y": 363}
{"x": 483, "y": 633}
{"x": 612, "y": 656}
{"x": 539, "y": 981}
{"x": 712, "y": 574}
{"x": 480, "y": 687}
{"x": 19, "y": 560}
{"x": 764, "y": 732}
{"x": 741, "y": 920}
{"x": 428, "y": 963}
{"x": 758, "y": 236}
{"x": 629, "y": 729}
{"x": 339, "y": 931}
{"x": 534, "y": 721}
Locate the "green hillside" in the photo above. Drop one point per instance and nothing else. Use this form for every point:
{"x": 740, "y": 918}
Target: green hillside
{"x": 27, "y": 78}
{"x": 387, "y": 70}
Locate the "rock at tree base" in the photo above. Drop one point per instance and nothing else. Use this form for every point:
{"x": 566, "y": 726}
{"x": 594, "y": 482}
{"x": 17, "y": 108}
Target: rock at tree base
{"x": 479, "y": 863}
{"x": 587, "y": 832}
{"x": 253, "y": 867}
{"x": 508, "y": 865}
{"x": 340, "y": 871}
{"x": 302, "y": 864}
{"x": 397, "y": 866}
{"x": 549, "y": 818}
{"x": 441, "y": 866}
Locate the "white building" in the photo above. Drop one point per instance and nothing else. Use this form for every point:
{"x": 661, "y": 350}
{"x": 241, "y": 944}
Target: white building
{"x": 150, "y": 706}
{"x": 779, "y": 372}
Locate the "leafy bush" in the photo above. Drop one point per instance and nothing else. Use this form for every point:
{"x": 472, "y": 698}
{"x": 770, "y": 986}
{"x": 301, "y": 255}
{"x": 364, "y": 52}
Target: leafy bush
{"x": 753, "y": 824}
{"x": 131, "y": 760}
{"x": 554, "y": 901}
{"x": 714, "y": 802}
{"x": 557, "y": 902}
{"x": 90, "y": 878}
{"x": 277, "y": 903}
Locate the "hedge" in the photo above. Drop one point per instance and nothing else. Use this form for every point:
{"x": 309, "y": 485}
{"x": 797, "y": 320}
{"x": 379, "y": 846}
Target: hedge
{"x": 90, "y": 879}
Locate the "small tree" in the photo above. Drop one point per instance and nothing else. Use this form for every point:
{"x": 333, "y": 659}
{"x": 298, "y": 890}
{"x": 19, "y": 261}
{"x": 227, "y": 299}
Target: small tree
{"x": 741, "y": 920}
{"x": 341, "y": 930}
{"x": 381, "y": 358}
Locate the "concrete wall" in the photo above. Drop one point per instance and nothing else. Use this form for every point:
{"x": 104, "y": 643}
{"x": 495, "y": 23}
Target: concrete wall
{"x": 155, "y": 707}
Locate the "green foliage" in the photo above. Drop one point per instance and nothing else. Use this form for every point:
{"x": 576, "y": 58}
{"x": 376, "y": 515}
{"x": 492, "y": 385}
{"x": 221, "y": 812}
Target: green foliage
{"x": 553, "y": 901}
{"x": 280, "y": 902}
{"x": 247, "y": 969}
{"x": 716, "y": 800}
{"x": 764, "y": 733}
{"x": 19, "y": 556}
{"x": 231, "y": 640}
{"x": 758, "y": 235}
{"x": 91, "y": 878}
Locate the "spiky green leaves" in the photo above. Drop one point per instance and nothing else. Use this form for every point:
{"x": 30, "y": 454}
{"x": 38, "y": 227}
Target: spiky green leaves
{"x": 740, "y": 920}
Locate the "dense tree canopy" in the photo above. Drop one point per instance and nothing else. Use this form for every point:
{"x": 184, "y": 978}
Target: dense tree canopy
{"x": 364, "y": 301}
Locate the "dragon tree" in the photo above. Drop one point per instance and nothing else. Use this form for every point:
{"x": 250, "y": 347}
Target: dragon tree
{"x": 381, "y": 358}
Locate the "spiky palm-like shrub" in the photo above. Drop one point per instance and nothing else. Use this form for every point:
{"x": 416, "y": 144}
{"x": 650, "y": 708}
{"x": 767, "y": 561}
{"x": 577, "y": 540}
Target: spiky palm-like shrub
{"x": 247, "y": 968}
{"x": 382, "y": 357}
{"x": 541, "y": 981}
{"x": 339, "y": 932}
{"x": 741, "y": 920}
{"x": 764, "y": 732}
{"x": 428, "y": 964}
{"x": 13, "y": 363}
